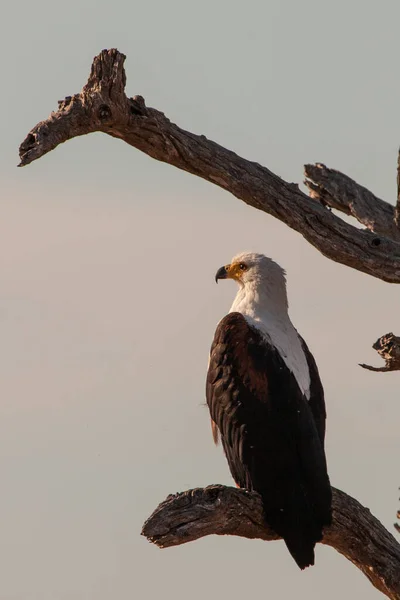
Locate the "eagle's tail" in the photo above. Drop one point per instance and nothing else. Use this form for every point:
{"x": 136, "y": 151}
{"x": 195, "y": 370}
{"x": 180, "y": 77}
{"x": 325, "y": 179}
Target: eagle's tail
{"x": 301, "y": 527}
{"x": 301, "y": 548}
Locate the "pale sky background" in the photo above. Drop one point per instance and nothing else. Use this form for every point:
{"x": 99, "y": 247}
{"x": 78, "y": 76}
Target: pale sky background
{"x": 108, "y": 303}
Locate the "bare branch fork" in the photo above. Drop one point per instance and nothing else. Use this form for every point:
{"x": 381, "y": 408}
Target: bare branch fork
{"x": 103, "y": 106}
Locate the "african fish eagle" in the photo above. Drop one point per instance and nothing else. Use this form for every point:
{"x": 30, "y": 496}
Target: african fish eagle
{"x": 267, "y": 405}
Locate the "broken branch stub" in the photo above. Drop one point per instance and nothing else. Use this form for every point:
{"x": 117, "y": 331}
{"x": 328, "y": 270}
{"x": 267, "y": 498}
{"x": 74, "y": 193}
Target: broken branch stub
{"x": 388, "y": 347}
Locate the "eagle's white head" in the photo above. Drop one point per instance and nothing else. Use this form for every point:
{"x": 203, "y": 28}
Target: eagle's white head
{"x": 261, "y": 280}
{"x": 251, "y": 268}
{"x": 262, "y": 300}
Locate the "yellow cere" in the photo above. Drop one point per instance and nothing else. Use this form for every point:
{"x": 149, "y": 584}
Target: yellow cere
{"x": 235, "y": 270}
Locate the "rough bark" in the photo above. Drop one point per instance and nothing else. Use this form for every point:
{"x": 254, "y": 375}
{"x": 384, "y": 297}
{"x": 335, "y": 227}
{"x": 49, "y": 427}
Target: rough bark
{"x": 338, "y": 191}
{"x": 220, "y": 510}
{"x": 103, "y": 106}
{"x": 388, "y": 347}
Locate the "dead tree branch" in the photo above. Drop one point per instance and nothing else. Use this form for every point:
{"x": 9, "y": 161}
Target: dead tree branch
{"x": 336, "y": 190}
{"x": 103, "y": 106}
{"x": 220, "y": 510}
{"x": 388, "y": 346}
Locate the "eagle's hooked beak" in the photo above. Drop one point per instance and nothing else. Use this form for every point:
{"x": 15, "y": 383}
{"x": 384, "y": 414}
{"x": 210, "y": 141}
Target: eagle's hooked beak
{"x": 222, "y": 273}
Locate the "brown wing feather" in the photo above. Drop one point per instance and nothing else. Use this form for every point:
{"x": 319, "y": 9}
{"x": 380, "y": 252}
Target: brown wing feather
{"x": 215, "y": 432}
{"x": 269, "y": 435}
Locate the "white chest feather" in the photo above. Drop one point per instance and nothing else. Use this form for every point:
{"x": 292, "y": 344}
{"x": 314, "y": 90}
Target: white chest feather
{"x": 278, "y": 329}
{"x": 288, "y": 344}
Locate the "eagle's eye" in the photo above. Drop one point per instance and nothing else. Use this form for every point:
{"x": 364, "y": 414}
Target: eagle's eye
{"x": 242, "y": 266}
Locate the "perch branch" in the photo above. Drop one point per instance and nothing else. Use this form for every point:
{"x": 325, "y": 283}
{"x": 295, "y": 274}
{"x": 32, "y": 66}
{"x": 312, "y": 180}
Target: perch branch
{"x": 103, "y": 106}
{"x": 221, "y": 510}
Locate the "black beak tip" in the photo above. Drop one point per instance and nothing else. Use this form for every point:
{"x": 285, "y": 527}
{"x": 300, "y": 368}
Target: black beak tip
{"x": 221, "y": 274}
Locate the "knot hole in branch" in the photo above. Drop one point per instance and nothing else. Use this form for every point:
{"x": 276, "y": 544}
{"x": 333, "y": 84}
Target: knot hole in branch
{"x": 104, "y": 113}
{"x": 376, "y": 242}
